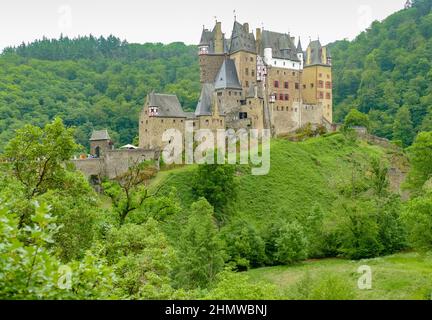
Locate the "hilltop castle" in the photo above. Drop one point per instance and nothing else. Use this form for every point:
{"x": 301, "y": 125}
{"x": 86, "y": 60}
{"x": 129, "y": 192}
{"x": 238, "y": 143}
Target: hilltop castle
{"x": 249, "y": 81}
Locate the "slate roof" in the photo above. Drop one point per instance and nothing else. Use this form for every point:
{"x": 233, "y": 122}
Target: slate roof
{"x": 227, "y": 77}
{"x": 168, "y": 105}
{"x": 98, "y": 135}
{"x": 241, "y": 39}
{"x": 299, "y": 47}
{"x": 316, "y": 52}
{"x": 316, "y": 48}
{"x": 205, "y": 101}
{"x": 208, "y": 39}
{"x": 282, "y": 45}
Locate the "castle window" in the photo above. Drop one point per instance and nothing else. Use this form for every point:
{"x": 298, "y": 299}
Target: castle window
{"x": 145, "y": 130}
{"x": 293, "y": 73}
{"x": 321, "y": 84}
{"x": 328, "y": 76}
{"x": 161, "y": 120}
{"x": 286, "y": 85}
{"x": 219, "y": 94}
{"x": 174, "y": 121}
{"x": 304, "y": 86}
{"x": 311, "y": 85}
{"x": 207, "y": 122}
{"x": 328, "y": 95}
{"x": 281, "y": 96}
{"x": 328, "y": 85}
{"x": 229, "y": 93}
{"x": 282, "y": 109}
{"x": 247, "y": 71}
{"x": 276, "y": 84}
{"x": 142, "y": 122}
{"x": 243, "y": 115}
{"x": 146, "y": 121}
{"x": 295, "y": 109}
{"x": 253, "y": 73}
{"x": 251, "y": 59}
{"x": 287, "y": 97}
{"x": 297, "y": 85}
{"x": 181, "y": 121}
{"x": 221, "y": 122}
{"x": 320, "y": 75}
{"x": 321, "y": 95}
{"x": 277, "y": 108}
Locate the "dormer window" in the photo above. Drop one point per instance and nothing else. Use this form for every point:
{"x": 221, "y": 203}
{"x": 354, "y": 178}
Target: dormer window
{"x": 203, "y": 50}
{"x": 153, "y": 111}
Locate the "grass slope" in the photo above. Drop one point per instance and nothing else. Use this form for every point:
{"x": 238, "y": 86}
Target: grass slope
{"x": 302, "y": 175}
{"x": 404, "y": 276}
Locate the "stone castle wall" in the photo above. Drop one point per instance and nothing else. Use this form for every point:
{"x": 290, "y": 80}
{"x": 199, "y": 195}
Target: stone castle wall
{"x": 210, "y": 66}
{"x": 114, "y": 163}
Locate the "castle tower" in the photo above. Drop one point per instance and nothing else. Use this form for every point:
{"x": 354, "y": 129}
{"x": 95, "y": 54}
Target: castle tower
{"x": 211, "y": 50}
{"x": 100, "y": 143}
{"x": 317, "y": 78}
{"x": 244, "y": 53}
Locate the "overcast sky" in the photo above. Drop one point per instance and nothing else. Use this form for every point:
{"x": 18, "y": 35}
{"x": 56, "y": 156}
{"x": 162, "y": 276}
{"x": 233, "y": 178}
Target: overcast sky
{"x": 182, "y": 20}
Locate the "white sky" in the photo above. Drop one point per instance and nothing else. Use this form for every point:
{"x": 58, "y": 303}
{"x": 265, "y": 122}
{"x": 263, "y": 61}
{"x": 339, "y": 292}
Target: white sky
{"x": 167, "y": 21}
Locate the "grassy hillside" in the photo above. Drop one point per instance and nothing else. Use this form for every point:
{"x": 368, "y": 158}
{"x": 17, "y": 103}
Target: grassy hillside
{"x": 398, "y": 277}
{"x": 302, "y": 176}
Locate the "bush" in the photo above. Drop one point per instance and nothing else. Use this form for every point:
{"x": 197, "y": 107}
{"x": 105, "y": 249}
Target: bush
{"x": 235, "y": 286}
{"x": 291, "y": 244}
{"x": 200, "y": 249}
{"x": 417, "y": 216}
{"x": 244, "y": 245}
{"x": 355, "y": 223}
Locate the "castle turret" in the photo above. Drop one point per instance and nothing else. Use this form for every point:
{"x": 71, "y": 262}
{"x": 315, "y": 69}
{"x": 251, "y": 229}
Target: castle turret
{"x": 100, "y": 143}
{"x": 317, "y": 78}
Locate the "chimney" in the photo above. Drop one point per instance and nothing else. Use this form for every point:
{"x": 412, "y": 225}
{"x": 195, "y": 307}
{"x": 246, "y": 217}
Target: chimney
{"x": 258, "y": 40}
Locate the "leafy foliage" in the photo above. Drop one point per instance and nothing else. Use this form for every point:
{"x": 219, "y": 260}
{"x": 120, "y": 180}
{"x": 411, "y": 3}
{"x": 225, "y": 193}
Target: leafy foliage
{"x": 217, "y": 184}
{"x": 91, "y": 83}
{"x": 200, "y": 248}
{"x": 386, "y": 73}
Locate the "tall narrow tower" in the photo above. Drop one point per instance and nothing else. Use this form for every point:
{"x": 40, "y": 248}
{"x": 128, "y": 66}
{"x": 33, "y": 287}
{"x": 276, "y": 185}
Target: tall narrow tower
{"x": 317, "y": 78}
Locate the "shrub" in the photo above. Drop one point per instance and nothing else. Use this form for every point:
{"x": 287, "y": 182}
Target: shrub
{"x": 291, "y": 244}
{"x": 244, "y": 245}
{"x": 235, "y": 286}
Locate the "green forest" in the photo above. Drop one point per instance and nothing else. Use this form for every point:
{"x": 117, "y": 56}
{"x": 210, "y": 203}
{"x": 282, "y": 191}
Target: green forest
{"x": 91, "y": 83}
{"x": 386, "y": 73}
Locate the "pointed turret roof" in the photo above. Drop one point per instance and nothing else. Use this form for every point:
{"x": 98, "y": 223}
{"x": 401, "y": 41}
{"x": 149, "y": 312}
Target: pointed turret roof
{"x": 227, "y": 77}
{"x": 299, "y": 47}
{"x": 242, "y": 39}
{"x": 205, "y": 101}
